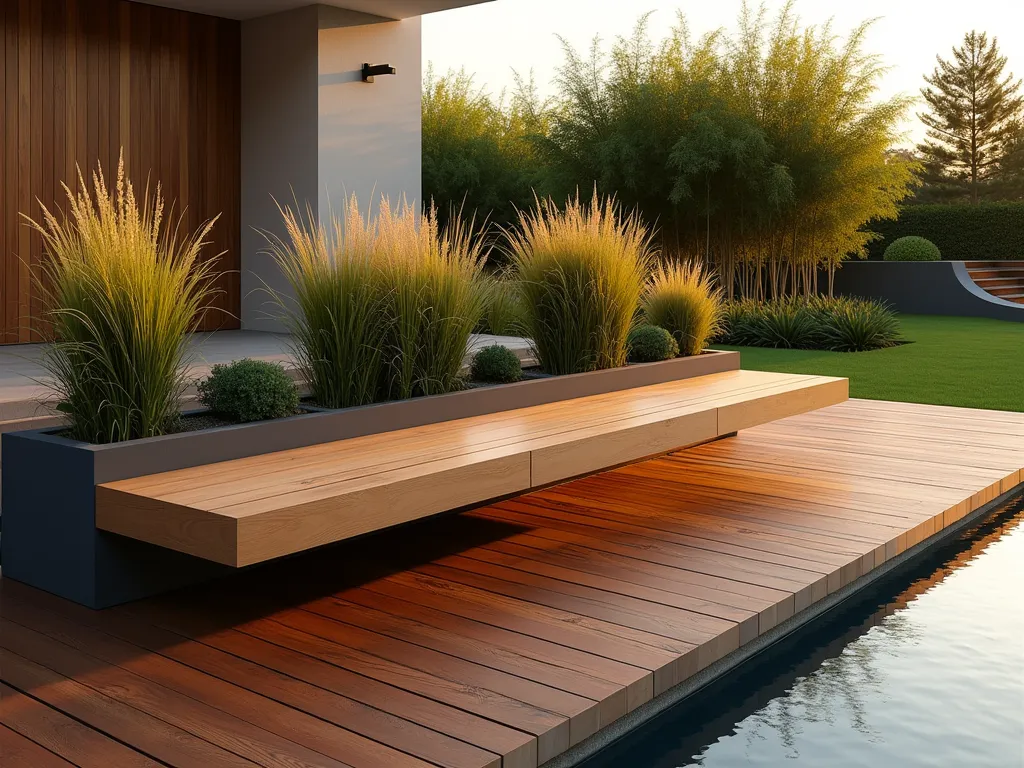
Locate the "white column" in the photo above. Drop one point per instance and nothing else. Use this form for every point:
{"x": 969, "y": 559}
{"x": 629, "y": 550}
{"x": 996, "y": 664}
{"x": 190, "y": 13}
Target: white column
{"x": 312, "y": 130}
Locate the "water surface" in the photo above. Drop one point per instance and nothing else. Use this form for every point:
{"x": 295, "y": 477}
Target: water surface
{"x": 925, "y": 669}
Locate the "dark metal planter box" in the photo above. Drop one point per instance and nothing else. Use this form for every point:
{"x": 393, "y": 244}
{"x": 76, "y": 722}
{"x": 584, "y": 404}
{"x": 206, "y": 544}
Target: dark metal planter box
{"x": 49, "y": 537}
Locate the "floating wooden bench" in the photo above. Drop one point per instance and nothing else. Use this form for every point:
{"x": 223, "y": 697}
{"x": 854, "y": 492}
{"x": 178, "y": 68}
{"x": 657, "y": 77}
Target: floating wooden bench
{"x": 254, "y": 509}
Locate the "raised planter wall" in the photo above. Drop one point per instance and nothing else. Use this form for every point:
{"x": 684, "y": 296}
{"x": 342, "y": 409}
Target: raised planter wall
{"x": 923, "y": 288}
{"x": 49, "y": 483}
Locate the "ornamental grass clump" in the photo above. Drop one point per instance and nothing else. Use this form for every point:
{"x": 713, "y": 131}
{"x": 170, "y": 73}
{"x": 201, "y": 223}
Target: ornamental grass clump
{"x": 433, "y": 298}
{"x": 382, "y": 307}
{"x": 336, "y": 312}
{"x": 503, "y": 310}
{"x": 857, "y": 325}
{"x": 841, "y": 324}
{"x": 682, "y": 299}
{"x": 581, "y": 273}
{"x": 122, "y": 290}
{"x": 789, "y": 324}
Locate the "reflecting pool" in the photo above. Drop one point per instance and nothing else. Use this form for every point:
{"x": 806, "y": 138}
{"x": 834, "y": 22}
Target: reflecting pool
{"x": 924, "y": 669}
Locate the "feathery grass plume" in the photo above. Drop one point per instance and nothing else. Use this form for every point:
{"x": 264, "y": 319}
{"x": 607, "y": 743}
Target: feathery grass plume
{"x": 682, "y": 298}
{"x": 122, "y": 291}
{"x": 503, "y": 312}
{"x": 434, "y": 298}
{"x": 581, "y": 272}
{"x": 337, "y": 311}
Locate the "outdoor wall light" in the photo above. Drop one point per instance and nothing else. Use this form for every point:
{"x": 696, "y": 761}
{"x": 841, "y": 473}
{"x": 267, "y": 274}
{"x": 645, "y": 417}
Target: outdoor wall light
{"x": 369, "y": 72}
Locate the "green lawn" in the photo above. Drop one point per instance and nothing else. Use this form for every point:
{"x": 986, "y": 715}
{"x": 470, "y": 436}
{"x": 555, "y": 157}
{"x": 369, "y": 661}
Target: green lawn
{"x": 964, "y": 361}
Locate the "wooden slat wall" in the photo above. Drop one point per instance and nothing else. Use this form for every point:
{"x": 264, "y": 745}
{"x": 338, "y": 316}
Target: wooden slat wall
{"x": 82, "y": 79}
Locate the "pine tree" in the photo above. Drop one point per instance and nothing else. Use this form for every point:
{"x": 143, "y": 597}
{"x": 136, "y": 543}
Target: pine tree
{"x": 973, "y": 117}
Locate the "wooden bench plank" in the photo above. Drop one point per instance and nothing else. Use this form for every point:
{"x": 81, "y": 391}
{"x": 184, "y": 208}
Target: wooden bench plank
{"x": 251, "y": 510}
{"x": 382, "y": 452}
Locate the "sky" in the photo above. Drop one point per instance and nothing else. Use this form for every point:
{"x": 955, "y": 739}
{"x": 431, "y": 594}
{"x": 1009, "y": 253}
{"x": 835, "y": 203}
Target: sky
{"x": 493, "y": 39}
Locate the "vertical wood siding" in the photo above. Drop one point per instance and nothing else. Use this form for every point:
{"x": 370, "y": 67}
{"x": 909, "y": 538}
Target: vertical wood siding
{"x": 82, "y": 80}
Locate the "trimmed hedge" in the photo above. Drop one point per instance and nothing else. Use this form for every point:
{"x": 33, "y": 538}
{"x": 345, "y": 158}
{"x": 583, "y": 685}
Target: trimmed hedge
{"x": 985, "y": 232}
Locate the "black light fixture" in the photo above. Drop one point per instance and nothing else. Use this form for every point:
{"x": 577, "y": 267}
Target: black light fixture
{"x": 369, "y": 72}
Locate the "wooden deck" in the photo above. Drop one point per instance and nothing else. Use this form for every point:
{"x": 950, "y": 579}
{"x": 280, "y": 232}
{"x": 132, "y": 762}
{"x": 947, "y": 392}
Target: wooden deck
{"x": 502, "y": 636}
{"x": 262, "y": 507}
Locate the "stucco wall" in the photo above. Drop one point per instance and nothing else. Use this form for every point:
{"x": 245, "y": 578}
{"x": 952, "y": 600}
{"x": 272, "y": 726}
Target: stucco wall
{"x": 923, "y": 288}
{"x": 279, "y": 140}
{"x": 312, "y": 131}
{"x": 369, "y": 133}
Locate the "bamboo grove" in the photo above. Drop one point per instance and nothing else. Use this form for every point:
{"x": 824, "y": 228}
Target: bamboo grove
{"x": 762, "y": 151}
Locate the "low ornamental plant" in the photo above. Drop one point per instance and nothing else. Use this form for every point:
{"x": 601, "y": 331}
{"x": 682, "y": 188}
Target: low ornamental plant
{"x": 249, "y": 390}
{"x": 842, "y": 324}
{"x": 912, "y": 248}
{"x": 739, "y": 323}
{"x": 581, "y": 271}
{"x": 123, "y": 290}
{"x": 651, "y": 344}
{"x": 858, "y": 325}
{"x": 496, "y": 364}
{"x": 789, "y": 324}
{"x": 682, "y": 298}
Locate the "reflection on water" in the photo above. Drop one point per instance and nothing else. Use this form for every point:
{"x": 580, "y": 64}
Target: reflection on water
{"x": 933, "y": 676}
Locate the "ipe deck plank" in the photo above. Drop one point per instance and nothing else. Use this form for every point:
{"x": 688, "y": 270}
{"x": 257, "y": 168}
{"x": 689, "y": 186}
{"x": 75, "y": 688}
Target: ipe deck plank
{"x": 500, "y": 636}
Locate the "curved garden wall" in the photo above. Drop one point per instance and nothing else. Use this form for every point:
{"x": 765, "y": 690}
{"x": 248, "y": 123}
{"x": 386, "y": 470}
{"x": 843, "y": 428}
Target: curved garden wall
{"x": 923, "y": 288}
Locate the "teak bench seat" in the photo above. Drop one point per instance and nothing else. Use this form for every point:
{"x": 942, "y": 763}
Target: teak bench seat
{"x": 255, "y": 509}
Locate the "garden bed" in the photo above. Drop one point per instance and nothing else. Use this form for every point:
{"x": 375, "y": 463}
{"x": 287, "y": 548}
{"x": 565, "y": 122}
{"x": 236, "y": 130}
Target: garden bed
{"x": 49, "y": 537}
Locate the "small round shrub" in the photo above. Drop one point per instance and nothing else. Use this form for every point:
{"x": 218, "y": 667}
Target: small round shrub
{"x": 249, "y": 390}
{"x": 496, "y": 364}
{"x": 650, "y": 343}
{"x": 912, "y": 248}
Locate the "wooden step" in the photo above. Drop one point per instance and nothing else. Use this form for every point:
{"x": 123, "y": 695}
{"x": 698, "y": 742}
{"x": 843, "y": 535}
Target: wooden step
{"x": 1006, "y": 290}
{"x": 997, "y": 282}
{"x": 982, "y": 274}
{"x": 994, "y": 264}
